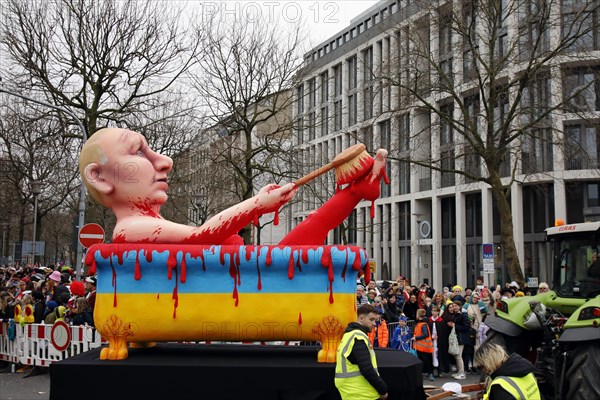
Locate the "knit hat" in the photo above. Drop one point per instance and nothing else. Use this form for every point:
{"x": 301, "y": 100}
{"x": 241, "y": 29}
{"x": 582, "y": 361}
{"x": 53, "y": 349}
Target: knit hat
{"x": 514, "y": 284}
{"x": 457, "y": 287}
{"x": 51, "y": 305}
{"x": 403, "y": 318}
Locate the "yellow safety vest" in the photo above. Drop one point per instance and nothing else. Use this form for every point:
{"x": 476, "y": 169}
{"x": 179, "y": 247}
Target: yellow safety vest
{"x": 348, "y": 379}
{"x": 523, "y": 388}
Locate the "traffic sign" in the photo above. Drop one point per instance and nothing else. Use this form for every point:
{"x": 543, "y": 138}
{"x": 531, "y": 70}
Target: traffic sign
{"x": 60, "y": 335}
{"x": 487, "y": 251}
{"x": 90, "y": 235}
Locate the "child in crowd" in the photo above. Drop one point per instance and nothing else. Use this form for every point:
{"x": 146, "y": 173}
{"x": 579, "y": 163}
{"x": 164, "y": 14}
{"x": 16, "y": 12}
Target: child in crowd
{"x": 437, "y": 325}
{"x": 424, "y": 343}
{"x": 379, "y": 336}
{"x": 401, "y": 338}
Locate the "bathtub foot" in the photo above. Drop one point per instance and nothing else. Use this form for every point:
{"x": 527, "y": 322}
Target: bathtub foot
{"x": 330, "y": 332}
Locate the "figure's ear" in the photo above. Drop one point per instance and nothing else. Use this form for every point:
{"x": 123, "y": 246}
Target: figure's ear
{"x": 94, "y": 177}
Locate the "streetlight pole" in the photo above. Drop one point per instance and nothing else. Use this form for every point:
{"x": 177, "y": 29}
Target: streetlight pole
{"x": 82, "y": 190}
{"x": 36, "y": 189}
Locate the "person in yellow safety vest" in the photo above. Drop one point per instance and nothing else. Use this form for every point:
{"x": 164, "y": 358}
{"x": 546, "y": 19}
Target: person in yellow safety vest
{"x": 423, "y": 343}
{"x": 356, "y": 375}
{"x": 510, "y": 377}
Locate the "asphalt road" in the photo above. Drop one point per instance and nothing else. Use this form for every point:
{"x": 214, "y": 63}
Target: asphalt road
{"x": 13, "y": 386}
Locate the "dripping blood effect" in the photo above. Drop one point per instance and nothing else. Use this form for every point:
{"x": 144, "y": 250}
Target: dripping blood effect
{"x": 269, "y": 259}
{"x": 234, "y": 273}
{"x": 248, "y": 253}
{"x": 183, "y": 269}
{"x": 259, "y": 285}
{"x": 157, "y": 296}
{"x": 372, "y": 209}
{"x": 137, "y": 274}
{"x": 326, "y": 262}
{"x": 120, "y": 256}
{"x": 114, "y": 282}
{"x": 276, "y": 220}
{"x": 304, "y": 256}
{"x": 175, "y": 295}
{"x": 291, "y": 266}
{"x": 201, "y": 255}
{"x": 171, "y": 264}
{"x": 300, "y": 318}
{"x": 148, "y": 256}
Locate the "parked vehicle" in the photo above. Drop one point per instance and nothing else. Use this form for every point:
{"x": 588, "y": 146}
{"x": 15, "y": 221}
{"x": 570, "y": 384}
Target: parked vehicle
{"x": 560, "y": 330}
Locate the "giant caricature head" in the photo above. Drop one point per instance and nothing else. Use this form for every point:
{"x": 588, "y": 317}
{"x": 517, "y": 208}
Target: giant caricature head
{"x": 119, "y": 169}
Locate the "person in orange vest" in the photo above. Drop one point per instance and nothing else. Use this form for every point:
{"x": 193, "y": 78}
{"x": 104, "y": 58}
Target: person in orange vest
{"x": 423, "y": 343}
{"x": 379, "y": 336}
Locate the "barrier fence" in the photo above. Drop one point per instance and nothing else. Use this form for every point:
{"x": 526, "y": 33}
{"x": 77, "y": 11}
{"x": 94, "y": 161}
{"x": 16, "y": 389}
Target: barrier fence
{"x": 41, "y": 345}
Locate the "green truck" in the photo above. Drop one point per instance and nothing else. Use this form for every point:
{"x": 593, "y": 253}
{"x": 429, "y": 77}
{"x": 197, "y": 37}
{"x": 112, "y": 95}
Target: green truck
{"x": 559, "y": 331}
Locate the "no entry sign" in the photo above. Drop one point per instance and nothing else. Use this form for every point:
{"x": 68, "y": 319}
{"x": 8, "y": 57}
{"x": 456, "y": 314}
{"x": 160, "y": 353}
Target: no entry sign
{"x": 91, "y": 234}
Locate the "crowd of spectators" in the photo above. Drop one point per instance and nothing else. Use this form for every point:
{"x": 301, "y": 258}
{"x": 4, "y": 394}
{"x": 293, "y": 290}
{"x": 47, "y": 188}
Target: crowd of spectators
{"x": 423, "y": 321}
{"x": 44, "y": 295}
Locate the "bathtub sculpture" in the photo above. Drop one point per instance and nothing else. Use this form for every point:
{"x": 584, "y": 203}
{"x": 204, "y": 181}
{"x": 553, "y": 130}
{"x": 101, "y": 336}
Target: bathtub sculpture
{"x": 163, "y": 281}
{"x": 149, "y": 293}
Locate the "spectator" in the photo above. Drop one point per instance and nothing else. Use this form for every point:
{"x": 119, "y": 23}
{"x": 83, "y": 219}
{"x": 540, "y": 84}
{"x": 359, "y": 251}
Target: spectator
{"x": 423, "y": 343}
{"x": 90, "y": 287}
{"x": 439, "y": 301}
{"x": 457, "y": 294}
{"x": 39, "y": 306}
{"x": 390, "y": 310}
{"x": 81, "y": 313}
{"x": 379, "y": 335}
{"x": 476, "y": 310}
{"x": 411, "y": 307}
{"x": 373, "y": 286}
{"x": 543, "y": 287}
{"x": 462, "y": 326}
{"x": 401, "y": 338}
{"x": 360, "y": 296}
{"x": 439, "y": 335}
{"x": 371, "y": 294}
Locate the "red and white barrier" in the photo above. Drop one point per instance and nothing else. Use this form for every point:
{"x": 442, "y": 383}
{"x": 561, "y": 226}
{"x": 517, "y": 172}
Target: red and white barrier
{"x": 41, "y": 344}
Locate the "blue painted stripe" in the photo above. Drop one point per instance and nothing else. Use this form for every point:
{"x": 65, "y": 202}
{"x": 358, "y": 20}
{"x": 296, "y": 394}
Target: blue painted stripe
{"x": 216, "y": 278}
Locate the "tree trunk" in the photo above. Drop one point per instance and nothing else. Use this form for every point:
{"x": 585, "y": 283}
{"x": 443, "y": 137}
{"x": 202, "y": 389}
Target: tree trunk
{"x": 507, "y": 232}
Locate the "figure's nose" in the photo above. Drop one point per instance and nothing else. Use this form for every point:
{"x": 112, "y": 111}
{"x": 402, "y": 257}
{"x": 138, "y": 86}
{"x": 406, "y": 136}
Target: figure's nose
{"x": 163, "y": 163}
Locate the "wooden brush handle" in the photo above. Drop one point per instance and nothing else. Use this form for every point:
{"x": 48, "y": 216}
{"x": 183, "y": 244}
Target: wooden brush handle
{"x": 312, "y": 175}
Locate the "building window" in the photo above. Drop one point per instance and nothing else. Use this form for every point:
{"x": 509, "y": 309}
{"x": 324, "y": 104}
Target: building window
{"x": 447, "y": 146}
{"x": 367, "y": 137}
{"x": 472, "y": 158}
{"x": 446, "y": 50}
{"x": 300, "y": 113}
{"x": 473, "y": 218}
{"x": 470, "y": 43}
{"x": 368, "y": 82}
{"x": 312, "y": 108}
{"x": 533, "y": 28}
{"x": 580, "y": 23}
{"x": 582, "y": 146}
{"x": 337, "y": 101}
{"x": 385, "y": 133}
{"x": 404, "y": 133}
{"x": 324, "y": 103}
{"x": 581, "y": 89}
{"x": 536, "y": 154}
{"x": 352, "y": 92}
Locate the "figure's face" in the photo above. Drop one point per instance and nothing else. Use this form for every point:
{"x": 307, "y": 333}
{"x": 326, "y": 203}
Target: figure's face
{"x": 137, "y": 173}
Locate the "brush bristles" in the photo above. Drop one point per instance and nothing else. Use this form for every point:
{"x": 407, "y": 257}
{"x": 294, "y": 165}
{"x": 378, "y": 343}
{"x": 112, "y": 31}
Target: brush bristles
{"x": 354, "y": 168}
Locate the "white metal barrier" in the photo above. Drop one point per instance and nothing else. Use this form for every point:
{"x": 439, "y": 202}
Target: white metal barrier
{"x": 41, "y": 345}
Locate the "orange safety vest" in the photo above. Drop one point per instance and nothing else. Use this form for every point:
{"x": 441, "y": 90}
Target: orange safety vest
{"x": 423, "y": 345}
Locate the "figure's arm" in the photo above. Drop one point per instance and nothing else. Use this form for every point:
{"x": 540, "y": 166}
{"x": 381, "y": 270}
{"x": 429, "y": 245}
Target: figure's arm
{"x": 143, "y": 229}
{"x": 230, "y": 221}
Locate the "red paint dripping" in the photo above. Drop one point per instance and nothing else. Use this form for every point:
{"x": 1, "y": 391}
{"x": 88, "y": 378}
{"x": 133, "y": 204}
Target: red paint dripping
{"x": 300, "y": 318}
{"x": 157, "y": 296}
{"x": 248, "y": 253}
{"x": 171, "y": 264}
{"x": 137, "y": 272}
{"x": 120, "y": 255}
{"x": 372, "y": 209}
{"x": 326, "y": 262}
{"x": 175, "y": 295}
{"x": 114, "y": 282}
{"x": 255, "y": 220}
{"x": 291, "y": 266}
{"x": 259, "y": 285}
{"x": 234, "y": 271}
{"x": 269, "y": 259}
{"x": 304, "y": 256}
{"x": 183, "y": 269}
{"x": 276, "y": 220}
{"x": 148, "y": 255}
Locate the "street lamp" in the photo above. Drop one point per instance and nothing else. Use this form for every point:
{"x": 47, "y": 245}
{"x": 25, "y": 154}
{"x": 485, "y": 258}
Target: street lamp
{"x": 82, "y": 190}
{"x": 36, "y": 189}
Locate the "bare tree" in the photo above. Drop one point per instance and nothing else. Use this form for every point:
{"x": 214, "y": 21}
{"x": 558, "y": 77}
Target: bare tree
{"x": 245, "y": 73}
{"x": 103, "y": 59}
{"x": 35, "y": 150}
{"x": 483, "y": 74}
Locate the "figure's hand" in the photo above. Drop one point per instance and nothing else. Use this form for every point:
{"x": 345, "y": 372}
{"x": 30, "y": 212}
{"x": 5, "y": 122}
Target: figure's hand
{"x": 271, "y": 197}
